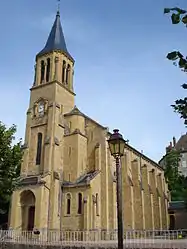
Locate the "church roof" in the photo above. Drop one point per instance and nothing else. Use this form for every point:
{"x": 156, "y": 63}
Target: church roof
{"x": 76, "y": 111}
{"x": 175, "y": 205}
{"x": 82, "y": 180}
{"x": 56, "y": 40}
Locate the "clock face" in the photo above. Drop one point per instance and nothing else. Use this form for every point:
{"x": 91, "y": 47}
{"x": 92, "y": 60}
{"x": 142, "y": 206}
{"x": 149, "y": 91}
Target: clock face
{"x": 41, "y": 108}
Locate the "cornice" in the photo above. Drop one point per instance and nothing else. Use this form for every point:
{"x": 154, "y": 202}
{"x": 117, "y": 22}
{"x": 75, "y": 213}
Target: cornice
{"x": 50, "y": 83}
{"x": 45, "y": 55}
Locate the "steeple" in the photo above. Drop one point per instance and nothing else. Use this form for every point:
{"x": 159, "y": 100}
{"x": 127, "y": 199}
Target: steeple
{"x": 56, "y": 40}
{"x": 54, "y": 63}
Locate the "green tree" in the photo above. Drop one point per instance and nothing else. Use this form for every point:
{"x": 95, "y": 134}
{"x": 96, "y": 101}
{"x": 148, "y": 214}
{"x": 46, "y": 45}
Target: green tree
{"x": 177, "y": 183}
{"x": 179, "y": 16}
{"x": 10, "y": 163}
{"x": 171, "y": 162}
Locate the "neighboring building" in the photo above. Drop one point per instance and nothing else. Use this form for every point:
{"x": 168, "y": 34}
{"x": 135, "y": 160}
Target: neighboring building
{"x": 178, "y": 215}
{"x": 67, "y": 173}
{"x": 181, "y": 146}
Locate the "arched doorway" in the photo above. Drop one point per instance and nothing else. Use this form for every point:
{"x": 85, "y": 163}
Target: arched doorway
{"x": 27, "y": 201}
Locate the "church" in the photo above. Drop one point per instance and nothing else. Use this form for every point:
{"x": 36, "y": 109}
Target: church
{"x": 68, "y": 179}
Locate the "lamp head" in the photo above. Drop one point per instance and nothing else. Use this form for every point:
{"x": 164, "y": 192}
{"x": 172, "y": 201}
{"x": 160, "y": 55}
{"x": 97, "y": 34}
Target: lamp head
{"x": 116, "y": 144}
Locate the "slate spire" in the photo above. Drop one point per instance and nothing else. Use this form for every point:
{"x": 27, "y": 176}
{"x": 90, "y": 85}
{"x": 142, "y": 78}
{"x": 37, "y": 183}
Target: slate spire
{"x": 56, "y": 40}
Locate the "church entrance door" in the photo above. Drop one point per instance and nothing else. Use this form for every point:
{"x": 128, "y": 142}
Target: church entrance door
{"x": 31, "y": 214}
{"x": 27, "y": 201}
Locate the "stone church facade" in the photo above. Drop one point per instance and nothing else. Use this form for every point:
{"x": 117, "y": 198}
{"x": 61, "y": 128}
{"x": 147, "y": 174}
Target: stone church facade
{"x": 67, "y": 174}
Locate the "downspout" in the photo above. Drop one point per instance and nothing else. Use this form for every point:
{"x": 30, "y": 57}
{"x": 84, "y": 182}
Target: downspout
{"x": 141, "y": 186}
{"x": 141, "y": 167}
{"x": 61, "y": 194}
{"x": 60, "y": 202}
{"x": 51, "y": 169}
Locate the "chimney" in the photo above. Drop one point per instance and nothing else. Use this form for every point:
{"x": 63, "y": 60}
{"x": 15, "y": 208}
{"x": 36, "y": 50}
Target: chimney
{"x": 174, "y": 142}
{"x": 170, "y": 145}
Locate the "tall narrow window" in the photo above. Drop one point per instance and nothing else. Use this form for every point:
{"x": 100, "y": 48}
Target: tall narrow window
{"x": 63, "y": 71}
{"x": 68, "y": 199}
{"x": 42, "y": 71}
{"x": 79, "y": 203}
{"x": 39, "y": 149}
{"x": 48, "y": 70}
{"x": 67, "y": 74}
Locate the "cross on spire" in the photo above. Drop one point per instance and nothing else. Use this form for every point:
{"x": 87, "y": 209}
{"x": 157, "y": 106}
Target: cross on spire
{"x": 58, "y": 5}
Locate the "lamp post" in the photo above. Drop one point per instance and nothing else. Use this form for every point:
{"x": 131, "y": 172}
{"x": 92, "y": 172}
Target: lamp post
{"x": 117, "y": 146}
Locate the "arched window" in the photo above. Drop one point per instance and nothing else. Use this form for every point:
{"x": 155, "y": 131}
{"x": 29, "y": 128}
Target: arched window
{"x": 63, "y": 71}
{"x": 42, "y": 71}
{"x": 48, "y": 70}
{"x": 79, "y": 203}
{"x": 67, "y": 74}
{"x": 68, "y": 199}
{"x": 39, "y": 149}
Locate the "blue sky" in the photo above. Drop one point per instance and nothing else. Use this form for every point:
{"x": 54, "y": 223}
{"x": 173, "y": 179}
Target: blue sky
{"x": 122, "y": 78}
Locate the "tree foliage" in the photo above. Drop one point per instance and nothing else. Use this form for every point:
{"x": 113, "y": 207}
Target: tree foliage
{"x": 10, "y": 163}
{"x": 179, "y": 16}
{"x": 172, "y": 160}
{"x": 177, "y": 183}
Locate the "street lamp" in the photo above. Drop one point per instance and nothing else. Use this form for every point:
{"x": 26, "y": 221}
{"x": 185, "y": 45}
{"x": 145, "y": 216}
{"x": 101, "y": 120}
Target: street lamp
{"x": 117, "y": 146}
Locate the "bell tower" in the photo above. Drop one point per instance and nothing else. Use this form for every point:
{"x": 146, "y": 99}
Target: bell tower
{"x": 54, "y": 64}
{"x": 36, "y": 202}
{"x": 52, "y": 96}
